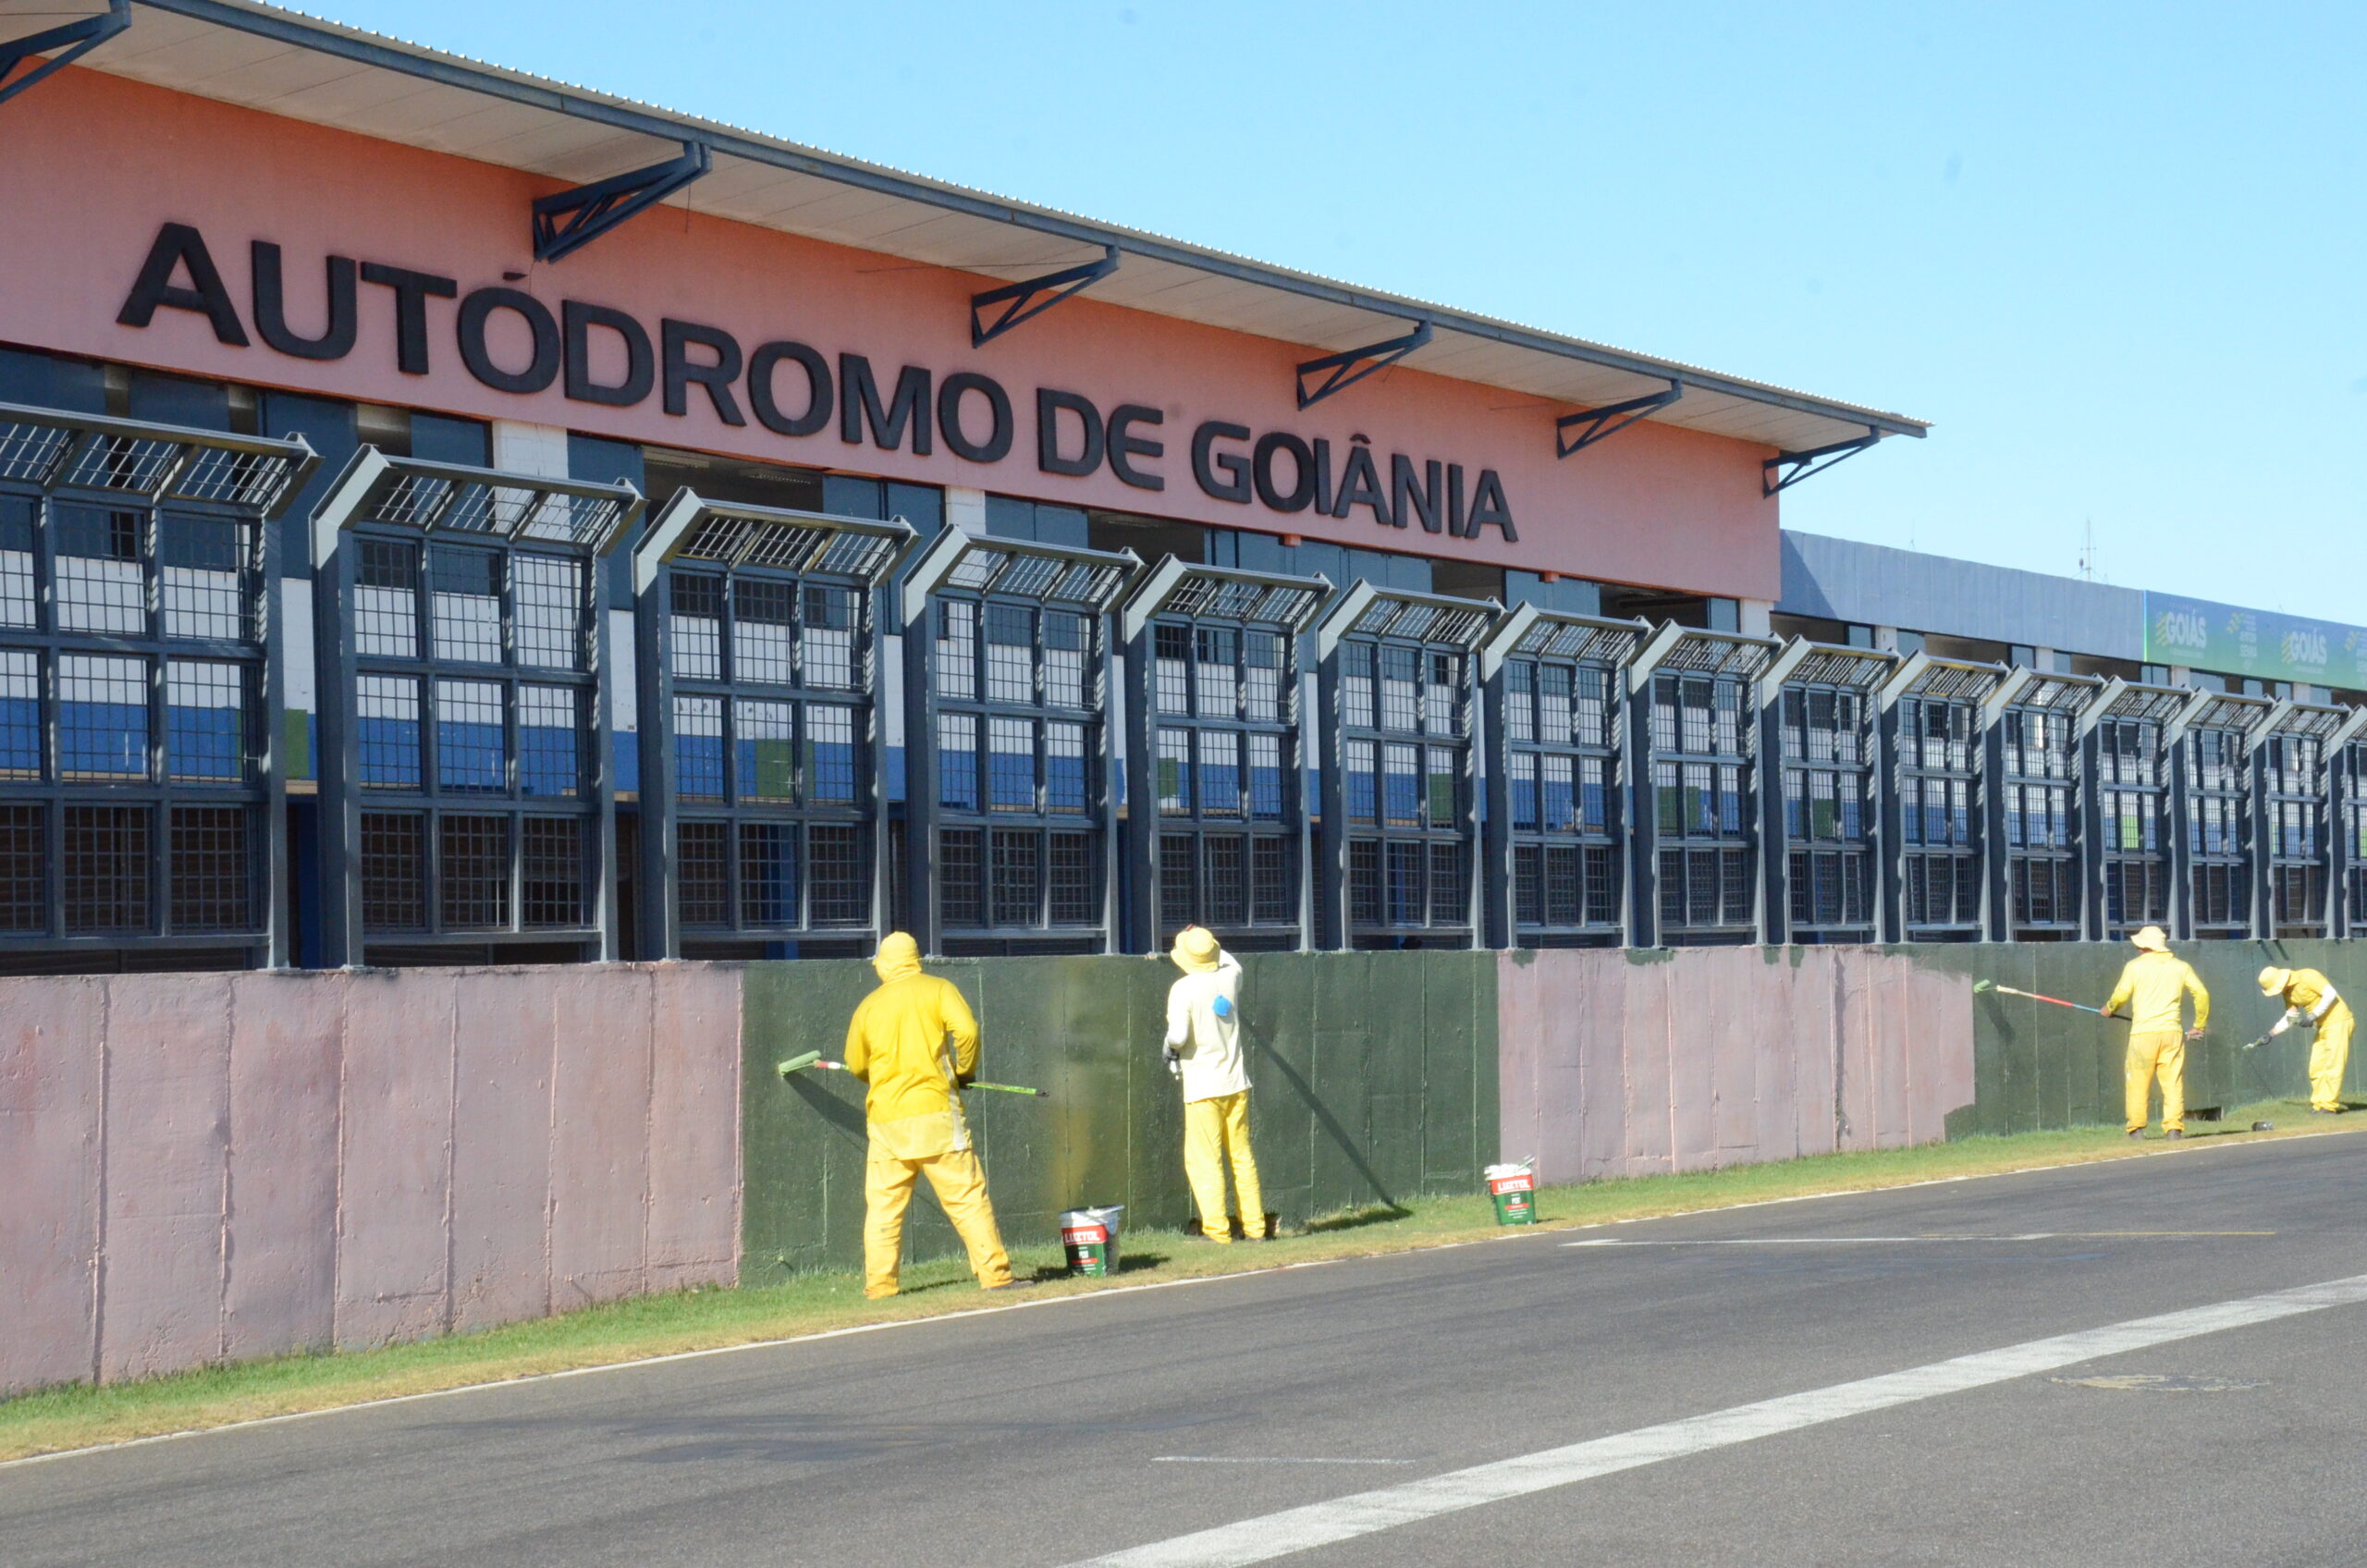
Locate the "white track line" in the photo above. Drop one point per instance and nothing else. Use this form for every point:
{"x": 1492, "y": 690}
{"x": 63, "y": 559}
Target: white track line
{"x": 1515, "y": 1234}
{"x": 1299, "y": 1529}
{"x": 1920, "y": 1241}
{"x": 1287, "y": 1459}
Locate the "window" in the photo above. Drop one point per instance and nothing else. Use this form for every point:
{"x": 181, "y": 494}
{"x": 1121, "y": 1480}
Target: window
{"x": 1704, "y": 774}
{"x": 476, "y": 708}
{"x": 1562, "y": 760}
{"x": 1018, "y": 702}
{"x": 1408, "y": 819}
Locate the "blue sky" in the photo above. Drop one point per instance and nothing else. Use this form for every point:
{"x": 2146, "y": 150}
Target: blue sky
{"x": 2118, "y": 254}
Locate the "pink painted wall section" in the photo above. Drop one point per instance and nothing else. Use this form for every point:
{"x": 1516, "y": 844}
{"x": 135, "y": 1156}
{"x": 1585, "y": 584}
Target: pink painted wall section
{"x": 106, "y": 161}
{"x": 1617, "y": 1064}
{"x": 53, "y": 1098}
{"x": 201, "y": 1168}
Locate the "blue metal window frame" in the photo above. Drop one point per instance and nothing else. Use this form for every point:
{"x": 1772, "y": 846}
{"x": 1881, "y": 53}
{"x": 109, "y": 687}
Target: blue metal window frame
{"x": 1815, "y": 861}
{"x": 2125, "y": 750}
{"x": 1200, "y": 603}
{"x": 740, "y": 546}
{"x": 2032, "y": 720}
{"x": 1721, "y": 858}
{"x": 152, "y": 473}
{"x": 2294, "y": 769}
{"x": 2347, "y": 835}
{"x": 2220, "y": 891}
{"x": 1954, "y": 690}
{"x": 1512, "y": 663}
{"x": 1365, "y": 624}
{"x": 421, "y": 505}
{"x": 1017, "y": 577}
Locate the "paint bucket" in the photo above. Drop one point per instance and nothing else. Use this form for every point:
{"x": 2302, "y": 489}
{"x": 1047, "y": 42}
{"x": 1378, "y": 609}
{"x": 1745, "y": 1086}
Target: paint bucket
{"x": 1089, "y": 1236}
{"x": 1515, "y": 1189}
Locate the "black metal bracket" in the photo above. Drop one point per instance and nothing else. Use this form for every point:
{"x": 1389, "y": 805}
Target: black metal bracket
{"x": 566, "y": 220}
{"x": 1347, "y": 368}
{"x": 1816, "y": 459}
{"x": 76, "y": 39}
{"x": 1034, "y": 296}
{"x": 1598, "y": 424}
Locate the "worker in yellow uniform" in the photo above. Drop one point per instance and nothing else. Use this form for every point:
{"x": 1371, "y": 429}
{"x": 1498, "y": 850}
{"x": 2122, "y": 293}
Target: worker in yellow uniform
{"x": 2310, "y": 997}
{"x": 1204, "y": 1050}
{"x": 915, "y": 1042}
{"x": 2152, "y": 986}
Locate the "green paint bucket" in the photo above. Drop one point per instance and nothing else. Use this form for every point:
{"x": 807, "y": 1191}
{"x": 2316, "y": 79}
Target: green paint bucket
{"x": 1515, "y": 1189}
{"x": 1089, "y": 1236}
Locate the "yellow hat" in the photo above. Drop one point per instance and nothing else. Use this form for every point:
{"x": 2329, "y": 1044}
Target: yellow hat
{"x": 2273, "y": 980}
{"x": 898, "y": 958}
{"x": 2152, "y": 939}
{"x": 1196, "y": 950}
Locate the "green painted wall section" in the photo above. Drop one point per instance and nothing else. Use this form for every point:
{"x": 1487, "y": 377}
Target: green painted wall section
{"x": 2038, "y": 1066}
{"x": 1374, "y": 1078}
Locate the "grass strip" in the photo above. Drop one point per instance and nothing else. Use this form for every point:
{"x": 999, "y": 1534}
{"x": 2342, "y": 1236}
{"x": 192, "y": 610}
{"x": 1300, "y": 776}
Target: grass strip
{"x": 80, "y": 1416}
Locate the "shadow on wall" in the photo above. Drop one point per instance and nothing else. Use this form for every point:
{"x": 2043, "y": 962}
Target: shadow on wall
{"x": 1373, "y": 1074}
{"x": 1639, "y": 1062}
{"x": 203, "y": 1167}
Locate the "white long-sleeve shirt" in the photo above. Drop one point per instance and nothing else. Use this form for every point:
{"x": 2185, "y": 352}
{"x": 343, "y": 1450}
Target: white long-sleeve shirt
{"x": 1208, "y": 1046}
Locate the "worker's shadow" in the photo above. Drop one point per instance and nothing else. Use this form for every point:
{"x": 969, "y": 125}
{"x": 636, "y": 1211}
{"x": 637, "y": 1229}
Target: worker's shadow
{"x": 844, "y": 1115}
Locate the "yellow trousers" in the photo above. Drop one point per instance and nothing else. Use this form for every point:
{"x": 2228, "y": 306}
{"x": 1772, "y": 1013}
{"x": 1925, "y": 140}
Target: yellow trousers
{"x": 1215, "y": 1131}
{"x": 2328, "y": 1056}
{"x": 960, "y": 1188}
{"x": 2157, "y": 1053}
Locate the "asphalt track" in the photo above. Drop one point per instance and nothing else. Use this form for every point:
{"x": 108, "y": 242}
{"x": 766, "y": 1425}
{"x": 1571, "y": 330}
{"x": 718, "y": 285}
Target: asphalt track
{"x": 1149, "y": 1425}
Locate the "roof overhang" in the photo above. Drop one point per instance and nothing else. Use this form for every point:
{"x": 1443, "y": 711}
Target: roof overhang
{"x": 281, "y": 63}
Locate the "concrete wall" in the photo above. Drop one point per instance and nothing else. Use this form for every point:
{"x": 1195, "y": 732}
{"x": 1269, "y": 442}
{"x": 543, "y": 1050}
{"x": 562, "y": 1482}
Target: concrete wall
{"x": 2041, "y": 1067}
{"x": 1374, "y": 1078}
{"x": 201, "y": 1168}
{"x": 1633, "y": 1063}
{"x": 206, "y": 1167}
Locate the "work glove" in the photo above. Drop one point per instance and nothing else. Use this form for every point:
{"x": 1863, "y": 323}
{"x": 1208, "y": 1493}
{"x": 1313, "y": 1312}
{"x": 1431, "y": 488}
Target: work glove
{"x": 1175, "y": 1062}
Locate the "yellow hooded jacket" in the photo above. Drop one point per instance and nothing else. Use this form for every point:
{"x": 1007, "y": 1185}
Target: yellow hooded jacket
{"x": 896, "y": 1043}
{"x": 2152, "y": 986}
{"x": 2304, "y": 990}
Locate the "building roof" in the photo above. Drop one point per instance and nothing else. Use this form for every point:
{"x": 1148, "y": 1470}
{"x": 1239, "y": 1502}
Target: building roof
{"x": 281, "y": 62}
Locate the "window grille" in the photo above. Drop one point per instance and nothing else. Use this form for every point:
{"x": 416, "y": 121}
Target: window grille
{"x": 2128, "y": 774}
{"x": 2214, "y": 742}
{"x": 138, "y": 704}
{"x": 1556, "y": 805}
{"x": 2350, "y": 821}
{"x": 1217, "y": 741}
{"x": 1823, "y": 718}
{"x": 465, "y": 727}
{"x": 1400, "y": 830}
{"x": 1007, "y": 663}
{"x": 1694, "y": 729}
{"x": 2036, "y": 717}
{"x": 1936, "y": 748}
{"x": 759, "y": 642}
{"x": 2294, "y": 782}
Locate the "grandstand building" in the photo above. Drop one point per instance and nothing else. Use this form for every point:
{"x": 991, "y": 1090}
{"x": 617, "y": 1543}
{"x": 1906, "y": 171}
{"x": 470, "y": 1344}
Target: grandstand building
{"x": 452, "y": 517}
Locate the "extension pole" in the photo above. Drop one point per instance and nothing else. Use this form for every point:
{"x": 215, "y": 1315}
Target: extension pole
{"x": 814, "y": 1059}
{"x": 2058, "y": 1001}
